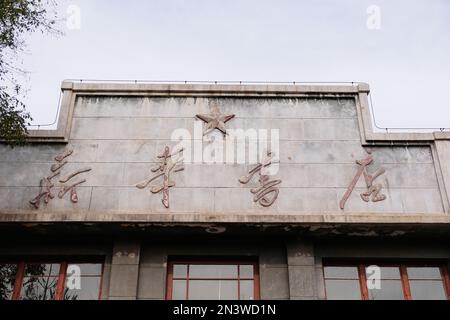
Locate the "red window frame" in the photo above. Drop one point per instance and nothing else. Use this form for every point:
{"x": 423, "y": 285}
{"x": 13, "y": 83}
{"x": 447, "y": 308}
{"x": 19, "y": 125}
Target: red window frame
{"x": 213, "y": 261}
{"x": 60, "y": 286}
{"x": 402, "y": 265}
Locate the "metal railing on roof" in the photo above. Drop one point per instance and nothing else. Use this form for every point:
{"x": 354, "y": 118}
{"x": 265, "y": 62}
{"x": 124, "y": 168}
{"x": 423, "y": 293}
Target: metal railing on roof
{"x": 247, "y": 82}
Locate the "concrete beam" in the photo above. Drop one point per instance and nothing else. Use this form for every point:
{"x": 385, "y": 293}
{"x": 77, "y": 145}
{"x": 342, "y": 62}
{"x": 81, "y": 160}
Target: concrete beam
{"x": 18, "y": 215}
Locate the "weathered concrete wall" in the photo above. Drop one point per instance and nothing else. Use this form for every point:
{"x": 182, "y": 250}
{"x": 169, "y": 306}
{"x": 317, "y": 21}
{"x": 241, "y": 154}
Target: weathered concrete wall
{"x": 118, "y": 131}
{"x": 320, "y": 140}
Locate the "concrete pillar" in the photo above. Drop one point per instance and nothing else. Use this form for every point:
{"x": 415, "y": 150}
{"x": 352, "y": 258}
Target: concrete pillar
{"x": 152, "y": 272}
{"x": 443, "y": 154}
{"x": 124, "y": 270}
{"x": 301, "y": 268}
{"x": 273, "y": 272}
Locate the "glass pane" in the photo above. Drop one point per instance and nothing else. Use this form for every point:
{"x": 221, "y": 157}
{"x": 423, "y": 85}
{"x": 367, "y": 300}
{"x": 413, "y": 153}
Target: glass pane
{"x": 212, "y": 271}
{"x": 38, "y": 288}
{"x": 213, "y": 289}
{"x": 36, "y": 269}
{"x": 389, "y": 290}
{"x": 341, "y": 272}
{"x": 86, "y": 269}
{"x": 246, "y": 292}
{"x": 179, "y": 271}
{"x": 424, "y": 273}
{"x": 343, "y": 289}
{"x": 179, "y": 290}
{"x": 427, "y": 290}
{"x": 82, "y": 288}
{"x": 246, "y": 271}
{"x": 385, "y": 272}
{"x": 7, "y": 279}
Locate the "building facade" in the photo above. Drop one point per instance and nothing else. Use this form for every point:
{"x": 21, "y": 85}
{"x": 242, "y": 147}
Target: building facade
{"x": 180, "y": 191}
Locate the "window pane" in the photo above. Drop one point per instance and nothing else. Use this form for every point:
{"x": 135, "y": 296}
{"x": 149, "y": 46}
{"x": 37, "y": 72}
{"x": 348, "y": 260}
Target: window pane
{"x": 389, "y": 290}
{"x": 343, "y": 289}
{"x": 38, "y": 288}
{"x": 87, "y": 269}
{"x": 341, "y": 272}
{"x": 427, "y": 290}
{"x": 213, "y": 290}
{"x": 180, "y": 271}
{"x": 246, "y": 271}
{"x": 7, "y": 279}
{"x": 212, "y": 271}
{"x": 36, "y": 269}
{"x": 246, "y": 292}
{"x": 424, "y": 273}
{"x": 179, "y": 290}
{"x": 386, "y": 273}
{"x": 83, "y": 281}
{"x": 82, "y": 288}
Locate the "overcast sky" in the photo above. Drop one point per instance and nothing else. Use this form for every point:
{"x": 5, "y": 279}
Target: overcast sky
{"x": 402, "y": 52}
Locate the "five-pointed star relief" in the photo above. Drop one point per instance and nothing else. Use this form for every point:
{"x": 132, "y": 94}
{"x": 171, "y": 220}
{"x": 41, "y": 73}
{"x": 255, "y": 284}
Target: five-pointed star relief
{"x": 215, "y": 120}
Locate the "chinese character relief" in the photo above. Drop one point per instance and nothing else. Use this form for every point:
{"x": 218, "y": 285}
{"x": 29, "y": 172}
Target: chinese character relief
{"x": 166, "y": 166}
{"x": 63, "y": 155}
{"x": 45, "y": 190}
{"x": 72, "y": 188}
{"x": 267, "y": 192}
{"x": 373, "y": 191}
{"x": 215, "y": 120}
{"x": 46, "y": 184}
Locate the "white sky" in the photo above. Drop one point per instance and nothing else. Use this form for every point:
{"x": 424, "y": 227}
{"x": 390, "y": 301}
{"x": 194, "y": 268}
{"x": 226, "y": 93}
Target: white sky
{"x": 406, "y": 61}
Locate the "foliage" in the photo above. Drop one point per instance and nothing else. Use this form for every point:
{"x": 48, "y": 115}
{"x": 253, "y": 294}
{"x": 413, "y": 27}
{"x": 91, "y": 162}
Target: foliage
{"x": 38, "y": 283}
{"x": 17, "y": 18}
{"x": 7, "y": 278}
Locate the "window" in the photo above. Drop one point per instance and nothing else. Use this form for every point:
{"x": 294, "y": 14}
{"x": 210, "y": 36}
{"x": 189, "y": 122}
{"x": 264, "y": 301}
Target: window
{"x": 212, "y": 280}
{"x": 50, "y": 280}
{"x": 386, "y": 281}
